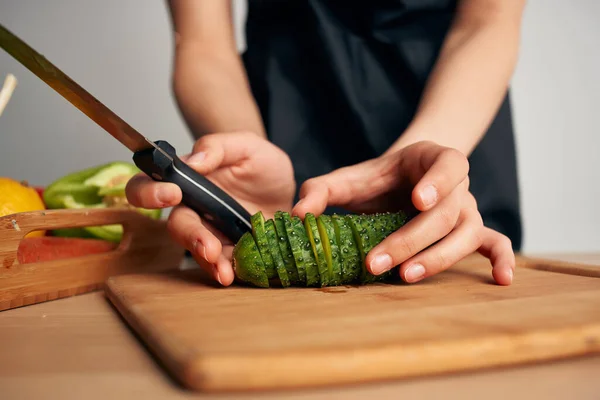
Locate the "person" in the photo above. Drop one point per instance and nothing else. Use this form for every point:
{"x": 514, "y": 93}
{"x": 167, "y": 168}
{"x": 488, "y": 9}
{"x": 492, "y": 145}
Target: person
{"x": 353, "y": 107}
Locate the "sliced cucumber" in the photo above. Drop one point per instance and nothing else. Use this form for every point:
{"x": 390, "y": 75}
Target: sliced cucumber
{"x": 323, "y": 251}
{"x": 351, "y": 261}
{"x": 331, "y": 249}
{"x": 312, "y": 230}
{"x": 297, "y": 249}
{"x": 276, "y": 253}
{"x": 369, "y": 231}
{"x": 378, "y": 227}
{"x": 361, "y": 239}
{"x": 258, "y": 232}
{"x": 286, "y": 250}
{"x": 247, "y": 262}
{"x": 310, "y": 261}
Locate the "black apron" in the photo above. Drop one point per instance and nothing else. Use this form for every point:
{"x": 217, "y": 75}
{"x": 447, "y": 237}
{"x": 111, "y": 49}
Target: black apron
{"x": 337, "y": 82}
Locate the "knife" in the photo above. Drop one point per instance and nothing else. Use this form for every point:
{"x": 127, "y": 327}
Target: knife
{"x": 156, "y": 159}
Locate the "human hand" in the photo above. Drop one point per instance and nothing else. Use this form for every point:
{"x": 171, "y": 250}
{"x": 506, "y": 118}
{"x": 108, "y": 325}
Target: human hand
{"x": 434, "y": 180}
{"x": 250, "y": 169}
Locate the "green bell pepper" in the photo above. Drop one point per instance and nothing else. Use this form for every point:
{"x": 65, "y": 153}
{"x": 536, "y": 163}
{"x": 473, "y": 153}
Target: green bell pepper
{"x": 101, "y": 186}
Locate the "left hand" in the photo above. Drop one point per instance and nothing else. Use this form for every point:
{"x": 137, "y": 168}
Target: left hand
{"x": 432, "y": 178}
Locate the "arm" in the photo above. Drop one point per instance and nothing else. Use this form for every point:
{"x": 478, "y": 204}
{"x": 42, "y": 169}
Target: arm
{"x": 470, "y": 78}
{"x": 209, "y": 81}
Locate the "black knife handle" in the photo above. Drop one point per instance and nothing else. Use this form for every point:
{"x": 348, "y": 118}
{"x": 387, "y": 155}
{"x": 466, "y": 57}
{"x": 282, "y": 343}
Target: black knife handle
{"x": 199, "y": 194}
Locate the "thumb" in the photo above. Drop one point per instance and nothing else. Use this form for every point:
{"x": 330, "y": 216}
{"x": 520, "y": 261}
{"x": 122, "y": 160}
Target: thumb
{"x": 219, "y": 150}
{"x": 337, "y": 188}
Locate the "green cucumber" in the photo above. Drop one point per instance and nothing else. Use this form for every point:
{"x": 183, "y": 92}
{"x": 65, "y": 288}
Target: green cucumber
{"x": 286, "y": 250}
{"x": 296, "y": 247}
{"x": 312, "y": 230}
{"x": 378, "y": 227}
{"x": 351, "y": 262}
{"x": 258, "y": 232}
{"x": 331, "y": 249}
{"x": 321, "y": 251}
{"x": 308, "y": 256}
{"x": 247, "y": 262}
{"x": 276, "y": 253}
{"x": 369, "y": 231}
{"x": 384, "y": 225}
{"x": 361, "y": 239}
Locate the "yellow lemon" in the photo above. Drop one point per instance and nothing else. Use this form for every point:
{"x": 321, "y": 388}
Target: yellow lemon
{"x": 18, "y": 197}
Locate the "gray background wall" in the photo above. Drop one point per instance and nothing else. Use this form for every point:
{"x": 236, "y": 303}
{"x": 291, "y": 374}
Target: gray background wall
{"x": 121, "y": 52}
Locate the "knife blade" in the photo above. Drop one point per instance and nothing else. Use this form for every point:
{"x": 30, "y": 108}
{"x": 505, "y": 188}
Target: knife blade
{"x": 157, "y": 159}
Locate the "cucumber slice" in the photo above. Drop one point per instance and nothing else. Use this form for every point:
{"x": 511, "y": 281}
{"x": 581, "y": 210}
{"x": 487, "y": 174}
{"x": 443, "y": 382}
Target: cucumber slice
{"x": 312, "y": 230}
{"x": 276, "y": 253}
{"x": 297, "y": 252}
{"x": 351, "y": 262}
{"x": 331, "y": 249}
{"x": 286, "y": 250}
{"x": 247, "y": 262}
{"x": 258, "y": 232}
{"x": 310, "y": 261}
{"x": 361, "y": 239}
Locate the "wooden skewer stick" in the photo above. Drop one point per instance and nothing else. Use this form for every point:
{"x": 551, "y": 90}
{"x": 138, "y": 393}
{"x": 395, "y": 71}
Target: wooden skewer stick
{"x": 9, "y": 86}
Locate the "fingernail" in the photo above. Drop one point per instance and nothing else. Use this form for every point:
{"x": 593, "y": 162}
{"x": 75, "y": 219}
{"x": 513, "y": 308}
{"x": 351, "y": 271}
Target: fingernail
{"x": 197, "y": 158}
{"x": 381, "y": 263}
{"x": 199, "y": 248}
{"x": 202, "y": 249}
{"x": 414, "y": 273}
{"x": 218, "y": 275}
{"x": 511, "y": 274}
{"x": 295, "y": 209}
{"x": 429, "y": 195}
{"x": 165, "y": 195}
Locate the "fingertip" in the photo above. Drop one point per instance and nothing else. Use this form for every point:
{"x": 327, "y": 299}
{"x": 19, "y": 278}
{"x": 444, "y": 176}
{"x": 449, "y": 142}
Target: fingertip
{"x": 168, "y": 195}
{"x": 134, "y": 186}
{"x": 314, "y": 197}
{"x": 300, "y": 209}
{"x": 214, "y": 249}
{"x": 142, "y": 191}
{"x": 424, "y": 197}
{"x": 312, "y": 203}
{"x": 208, "y": 246}
{"x": 209, "y": 154}
{"x": 196, "y": 160}
{"x": 413, "y": 272}
{"x": 225, "y": 273}
{"x": 378, "y": 263}
{"x": 503, "y": 276}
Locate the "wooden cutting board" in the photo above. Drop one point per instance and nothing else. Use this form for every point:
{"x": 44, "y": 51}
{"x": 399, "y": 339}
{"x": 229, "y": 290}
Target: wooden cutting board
{"x": 237, "y": 339}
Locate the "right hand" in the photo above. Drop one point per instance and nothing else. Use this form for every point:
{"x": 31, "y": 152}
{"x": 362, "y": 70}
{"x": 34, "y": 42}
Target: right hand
{"x": 249, "y": 168}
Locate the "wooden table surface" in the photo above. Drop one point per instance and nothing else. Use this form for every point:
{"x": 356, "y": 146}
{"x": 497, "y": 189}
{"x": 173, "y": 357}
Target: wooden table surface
{"x": 80, "y": 348}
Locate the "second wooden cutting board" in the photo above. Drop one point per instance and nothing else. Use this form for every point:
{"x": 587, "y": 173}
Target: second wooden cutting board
{"x": 237, "y": 338}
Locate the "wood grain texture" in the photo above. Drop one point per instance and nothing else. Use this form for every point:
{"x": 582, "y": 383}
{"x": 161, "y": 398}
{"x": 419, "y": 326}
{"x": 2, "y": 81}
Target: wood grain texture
{"x": 239, "y": 339}
{"x": 146, "y": 246}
